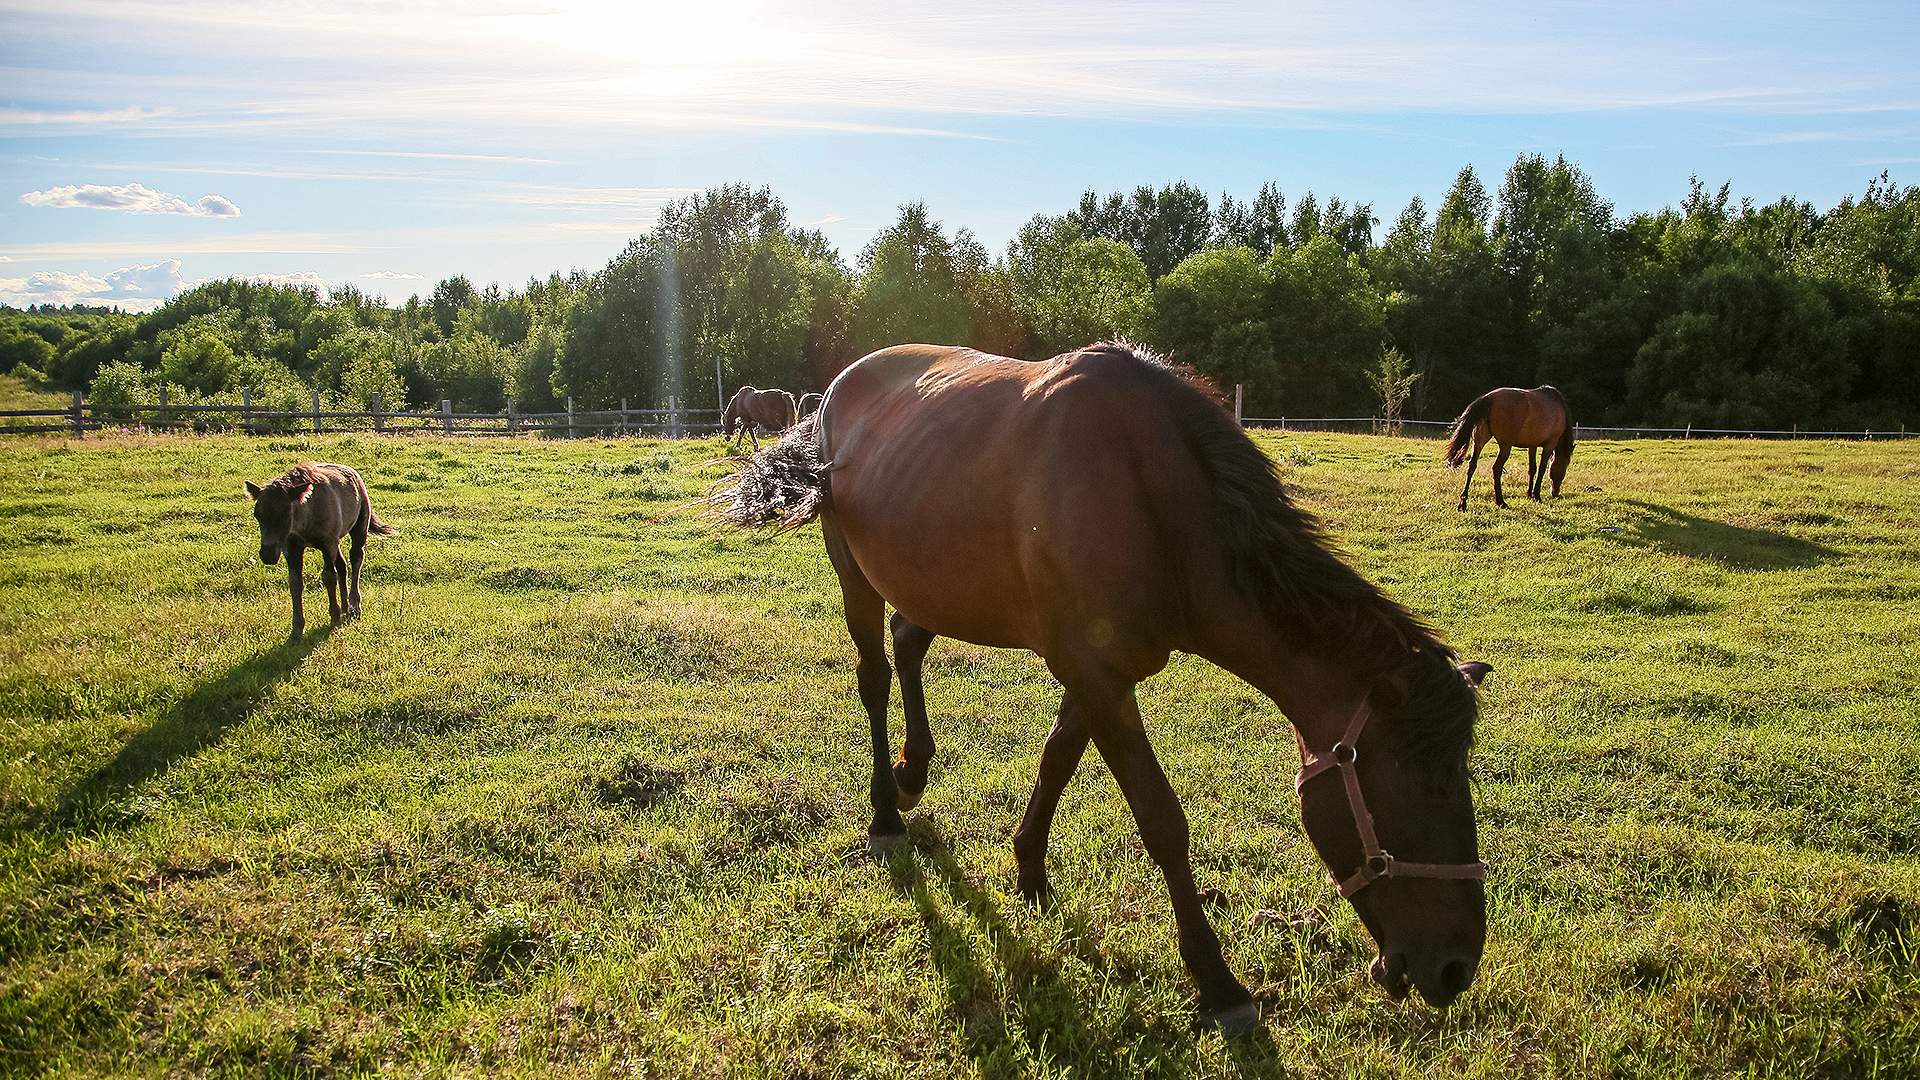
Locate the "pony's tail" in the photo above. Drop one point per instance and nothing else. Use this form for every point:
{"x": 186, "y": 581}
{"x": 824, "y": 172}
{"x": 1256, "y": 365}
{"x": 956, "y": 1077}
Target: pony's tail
{"x": 378, "y": 527}
{"x": 1463, "y": 428}
{"x": 783, "y": 486}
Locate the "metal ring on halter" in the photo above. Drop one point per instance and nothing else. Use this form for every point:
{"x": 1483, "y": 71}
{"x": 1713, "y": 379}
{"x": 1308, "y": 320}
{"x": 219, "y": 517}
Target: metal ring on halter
{"x": 1344, "y": 753}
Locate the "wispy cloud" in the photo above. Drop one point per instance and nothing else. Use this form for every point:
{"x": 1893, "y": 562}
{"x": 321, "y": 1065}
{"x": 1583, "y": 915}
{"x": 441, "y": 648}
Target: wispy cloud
{"x": 78, "y": 117}
{"x": 131, "y": 198}
{"x": 393, "y": 275}
{"x": 502, "y": 158}
{"x": 259, "y": 243}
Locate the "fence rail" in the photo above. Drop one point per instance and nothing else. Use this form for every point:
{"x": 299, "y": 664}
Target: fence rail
{"x": 83, "y": 416}
{"x": 1435, "y": 429}
{"x": 673, "y": 422}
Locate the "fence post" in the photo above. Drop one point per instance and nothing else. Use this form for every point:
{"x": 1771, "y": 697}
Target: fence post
{"x": 165, "y": 416}
{"x": 569, "y": 416}
{"x": 1689, "y": 429}
{"x": 446, "y": 415}
{"x": 246, "y": 410}
{"x": 622, "y": 429}
{"x": 1283, "y": 423}
{"x": 512, "y": 421}
{"x": 316, "y": 412}
{"x": 1239, "y": 390}
{"x": 673, "y": 417}
{"x": 379, "y": 418}
{"x": 79, "y": 421}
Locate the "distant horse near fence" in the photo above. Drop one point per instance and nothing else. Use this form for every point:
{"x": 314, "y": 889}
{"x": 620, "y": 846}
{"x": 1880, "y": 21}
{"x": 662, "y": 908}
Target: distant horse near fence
{"x": 1537, "y": 419}
{"x": 774, "y": 410}
{"x": 808, "y": 404}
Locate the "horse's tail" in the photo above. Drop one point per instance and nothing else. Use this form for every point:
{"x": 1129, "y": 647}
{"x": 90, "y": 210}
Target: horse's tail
{"x": 378, "y": 527}
{"x": 792, "y": 407}
{"x": 1463, "y": 429}
{"x": 1562, "y": 450}
{"x": 783, "y": 486}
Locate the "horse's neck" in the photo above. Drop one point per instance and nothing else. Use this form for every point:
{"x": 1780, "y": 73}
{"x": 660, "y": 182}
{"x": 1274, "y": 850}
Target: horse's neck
{"x": 1318, "y": 690}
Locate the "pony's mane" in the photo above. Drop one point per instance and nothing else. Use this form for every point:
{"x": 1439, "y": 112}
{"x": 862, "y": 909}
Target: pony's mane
{"x": 307, "y": 472}
{"x": 1280, "y": 555}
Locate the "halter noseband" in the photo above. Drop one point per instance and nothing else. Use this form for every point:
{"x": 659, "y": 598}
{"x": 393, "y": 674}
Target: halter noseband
{"x": 1375, "y": 863}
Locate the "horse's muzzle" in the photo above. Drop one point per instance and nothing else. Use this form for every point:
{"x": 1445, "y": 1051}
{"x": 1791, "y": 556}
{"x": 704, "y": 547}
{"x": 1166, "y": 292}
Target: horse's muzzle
{"x": 270, "y": 555}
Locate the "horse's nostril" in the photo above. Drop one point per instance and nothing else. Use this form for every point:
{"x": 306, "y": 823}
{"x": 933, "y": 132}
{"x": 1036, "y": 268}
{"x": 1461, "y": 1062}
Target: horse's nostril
{"x": 1456, "y": 976}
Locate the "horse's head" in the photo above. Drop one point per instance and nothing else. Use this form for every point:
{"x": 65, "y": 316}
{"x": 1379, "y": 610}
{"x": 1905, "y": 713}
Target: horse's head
{"x": 273, "y": 508}
{"x": 1390, "y": 811}
{"x": 736, "y": 408}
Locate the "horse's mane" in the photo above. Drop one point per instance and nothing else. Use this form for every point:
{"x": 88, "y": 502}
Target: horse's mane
{"x": 1280, "y": 555}
{"x": 307, "y": 472}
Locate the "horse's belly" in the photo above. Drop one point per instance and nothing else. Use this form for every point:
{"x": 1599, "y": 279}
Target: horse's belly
{"x": 962, "y": 583}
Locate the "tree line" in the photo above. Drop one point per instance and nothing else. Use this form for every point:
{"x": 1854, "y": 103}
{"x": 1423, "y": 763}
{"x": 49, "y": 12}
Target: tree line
{"x": 1714, "y": 312}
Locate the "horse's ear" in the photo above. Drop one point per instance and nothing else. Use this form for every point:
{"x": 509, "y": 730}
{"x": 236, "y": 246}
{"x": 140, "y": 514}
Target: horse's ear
{"x": 1475, "y": 671}
{"x": 253, "y": 490}
{"x": 302, "y": 493}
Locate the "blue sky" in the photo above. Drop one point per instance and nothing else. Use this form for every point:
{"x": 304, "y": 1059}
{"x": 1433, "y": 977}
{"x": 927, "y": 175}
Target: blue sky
{"x": 149, "y": 144}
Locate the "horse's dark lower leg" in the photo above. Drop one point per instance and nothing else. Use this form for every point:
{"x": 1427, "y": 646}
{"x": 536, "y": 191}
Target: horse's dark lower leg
{"x": 1499, "y": 466}
{"x": 867, "y": 625}
{"x": 359, "y": 554}
{"x": 1058, "y": 760}
{"x": 296, "y": 572}
{"x": 330, "y": 564}
{"x": 1122, "y": 740}
{"x": 1472, "y": 464}
{"x": 910, "y": 645}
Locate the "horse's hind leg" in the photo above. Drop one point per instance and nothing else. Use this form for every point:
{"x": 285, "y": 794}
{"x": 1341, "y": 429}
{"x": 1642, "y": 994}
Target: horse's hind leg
{"x": 1533, "y": 476}
{"x": 1479, "y": 440}
{"x": 330, "y": 566}
{"x": 867, "y": 626}
{"x": 1058, "y": 760}
{"x": 1499, "y": 465}
{"x": 910, "y": 645}
{"x": 1122, "y": 740}
{"x": 359, "y": 552}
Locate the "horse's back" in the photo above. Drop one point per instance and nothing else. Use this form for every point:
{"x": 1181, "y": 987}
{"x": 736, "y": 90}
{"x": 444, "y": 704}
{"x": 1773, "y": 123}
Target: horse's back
{"x": 1521, "y": 417}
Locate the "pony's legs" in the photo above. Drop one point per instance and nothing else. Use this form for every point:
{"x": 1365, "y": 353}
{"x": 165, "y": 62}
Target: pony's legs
{"x": 359, "y": 552}
{"x": 1499, "y": 465}
{"x": 1479, "y": 440}
{"x": 1122, "y": 740}
{"x": 910, "y": 644}
{"x": 1533, "y": 477}
{"x": 1058, "y": 760}
{"x": 296, "y": 571}
{"x": 867, "y": 626}
{"x": 330, "y": 564}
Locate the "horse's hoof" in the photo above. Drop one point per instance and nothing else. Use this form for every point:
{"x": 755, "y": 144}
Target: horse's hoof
{"x": 1237, "y": 1022}
{"x": 884, "y": 845}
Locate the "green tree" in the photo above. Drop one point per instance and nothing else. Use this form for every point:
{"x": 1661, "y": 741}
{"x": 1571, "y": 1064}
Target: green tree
{"x": 1070, "y": 290}
{"x": 908, "y": 289}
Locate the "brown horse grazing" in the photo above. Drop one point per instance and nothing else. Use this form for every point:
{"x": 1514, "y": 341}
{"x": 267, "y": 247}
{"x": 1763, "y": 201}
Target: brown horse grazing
{"x": 314, "y": 505}
{"x": 772, "y": 409}
{"x": 1103, "y": 510}
{"x": 1536, "y": 419}
{"x": 809, "y": 403}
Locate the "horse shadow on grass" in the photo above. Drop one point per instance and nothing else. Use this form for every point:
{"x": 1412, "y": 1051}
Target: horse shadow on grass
{"x": 190, "y": 725}
{"x": 1049, "y": 1009}
{"x": 1737, "y": 546}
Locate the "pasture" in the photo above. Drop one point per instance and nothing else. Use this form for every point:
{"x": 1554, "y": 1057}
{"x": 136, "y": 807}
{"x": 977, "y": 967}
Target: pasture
{"x": 584, "y": 792}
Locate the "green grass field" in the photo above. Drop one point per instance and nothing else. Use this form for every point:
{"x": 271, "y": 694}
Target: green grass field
{"x": 584, "y": 791}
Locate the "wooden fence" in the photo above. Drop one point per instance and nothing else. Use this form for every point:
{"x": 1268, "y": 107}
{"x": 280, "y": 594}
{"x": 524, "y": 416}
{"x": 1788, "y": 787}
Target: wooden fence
{"x": 83, "y": 416}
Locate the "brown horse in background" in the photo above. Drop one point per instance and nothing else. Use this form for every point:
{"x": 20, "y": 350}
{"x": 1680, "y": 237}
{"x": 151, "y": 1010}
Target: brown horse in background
{"x": 1537, "y": 419}
{"x": 1103, "y": 510}
{"x": 314, "y": 505}
{"x": 772, "y": 409}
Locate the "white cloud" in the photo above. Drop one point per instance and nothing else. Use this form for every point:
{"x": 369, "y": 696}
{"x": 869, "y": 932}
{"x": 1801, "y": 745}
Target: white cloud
{"x": 134, "y": 288}
{"x": 132, "y": 198}
{"x": 76, "y": 117}
{"x": 504, "y": 158}
{"x": 394, "y": 275}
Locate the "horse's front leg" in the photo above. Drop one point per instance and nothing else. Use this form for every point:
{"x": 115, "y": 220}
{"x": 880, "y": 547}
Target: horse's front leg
{"x": 296, "y": 570}
{"x": 1122, "y": 740}
{"x": 1058, "y": 760}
